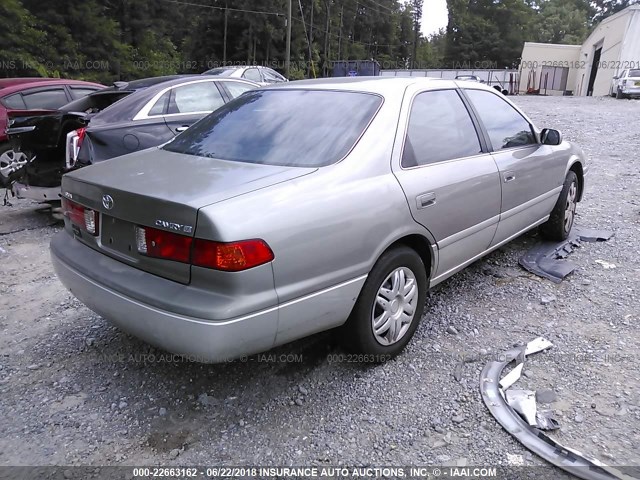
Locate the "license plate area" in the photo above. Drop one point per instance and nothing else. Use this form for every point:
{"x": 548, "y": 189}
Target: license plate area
{"x": 118, "y": 236}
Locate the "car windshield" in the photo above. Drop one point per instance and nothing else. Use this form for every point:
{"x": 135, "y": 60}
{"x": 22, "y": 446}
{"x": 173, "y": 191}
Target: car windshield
{"x": 634, "y": 73}
{"x": 301, "y": 128}
{"x": 223, "y": 71}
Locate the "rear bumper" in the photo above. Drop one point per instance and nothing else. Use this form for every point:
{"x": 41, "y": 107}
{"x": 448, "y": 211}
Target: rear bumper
{"x": 631, "y": 91}
{"x": 200, "y": 339}
{"x": 39, "y": 194}
{"x": 163, "y": 312}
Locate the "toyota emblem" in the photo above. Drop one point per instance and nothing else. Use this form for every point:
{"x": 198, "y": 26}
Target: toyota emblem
{"x": 107, "y": 202}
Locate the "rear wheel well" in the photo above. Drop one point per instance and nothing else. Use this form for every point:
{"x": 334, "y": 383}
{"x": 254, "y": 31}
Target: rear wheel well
{"x": 577, "y": 169}
{"x": 420, "y": 245}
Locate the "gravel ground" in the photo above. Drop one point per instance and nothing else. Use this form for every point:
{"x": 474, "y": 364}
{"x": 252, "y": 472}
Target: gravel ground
{"x": 76, "y": 391}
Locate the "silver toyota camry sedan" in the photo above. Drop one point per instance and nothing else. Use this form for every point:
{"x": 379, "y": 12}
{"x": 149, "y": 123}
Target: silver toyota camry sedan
{"x": 309, "y": 206}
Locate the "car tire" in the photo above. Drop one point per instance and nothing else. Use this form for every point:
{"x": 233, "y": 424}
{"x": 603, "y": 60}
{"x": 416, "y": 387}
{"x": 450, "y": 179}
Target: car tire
{"x": 559, "y": 225}
{"x": 5, "y": 160}
{"x": 619, "y": 94}
{"x": 396, "y": 286}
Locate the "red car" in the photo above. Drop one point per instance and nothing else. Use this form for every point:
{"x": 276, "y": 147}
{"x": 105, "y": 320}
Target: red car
{"x": 35, "y": 93}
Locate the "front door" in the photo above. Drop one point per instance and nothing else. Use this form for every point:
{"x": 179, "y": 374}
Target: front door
{"x": 531, "y": 173}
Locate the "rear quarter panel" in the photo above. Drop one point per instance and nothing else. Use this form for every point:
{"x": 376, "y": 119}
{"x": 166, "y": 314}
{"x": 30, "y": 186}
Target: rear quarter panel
{"x": 111, "y": 141}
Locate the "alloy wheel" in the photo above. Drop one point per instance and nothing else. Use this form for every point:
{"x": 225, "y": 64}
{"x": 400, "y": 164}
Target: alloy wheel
{"x": 11, "y": 161}
{"x": 395, "y": 306}
{"x": 570, "y": 207}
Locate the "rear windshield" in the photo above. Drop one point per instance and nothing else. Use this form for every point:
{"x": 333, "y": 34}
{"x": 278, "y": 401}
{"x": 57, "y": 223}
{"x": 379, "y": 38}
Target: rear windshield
{"x": 95, "y": 102}
{"x": 300, "y": 128}
{"x": 220, "y": 71}
{"x": 634, "y": 73}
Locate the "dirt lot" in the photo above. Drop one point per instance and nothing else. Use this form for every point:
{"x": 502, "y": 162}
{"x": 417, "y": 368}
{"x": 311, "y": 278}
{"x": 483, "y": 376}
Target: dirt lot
{"x": 74, "y": 390}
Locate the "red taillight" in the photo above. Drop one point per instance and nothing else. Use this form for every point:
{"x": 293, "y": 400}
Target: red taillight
{"x": 80, "y": 132}
{"x": 230, "y": 257}
{"x": 72, "y": 146}
{"x": 160, "y": 244}
{"x": 81, "y": 216}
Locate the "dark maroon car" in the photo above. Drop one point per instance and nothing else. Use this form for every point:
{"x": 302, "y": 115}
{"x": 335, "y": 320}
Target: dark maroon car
{"x": 39, "y": 94}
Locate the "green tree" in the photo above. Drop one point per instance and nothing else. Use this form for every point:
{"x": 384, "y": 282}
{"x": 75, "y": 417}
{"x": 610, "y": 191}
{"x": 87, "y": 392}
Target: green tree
{"x": 562, "y": 21}
{"x": 20, "y": 42}
{"x": 484, "y": 33}
{"x": 602, "y": 9}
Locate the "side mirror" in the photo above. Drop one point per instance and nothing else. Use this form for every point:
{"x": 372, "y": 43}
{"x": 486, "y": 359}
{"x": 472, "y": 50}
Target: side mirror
{"x": 616, "y": 78}
{"x": 549, "y": 136}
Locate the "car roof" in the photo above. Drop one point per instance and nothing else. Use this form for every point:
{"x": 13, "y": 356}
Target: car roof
{"x": 141, "y": 83}
{"x": 11, "y": 85}
{"x": 380, "y": 85}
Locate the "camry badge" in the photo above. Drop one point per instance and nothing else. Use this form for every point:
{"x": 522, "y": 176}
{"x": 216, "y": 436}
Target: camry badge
{"x": 107, "y": 202}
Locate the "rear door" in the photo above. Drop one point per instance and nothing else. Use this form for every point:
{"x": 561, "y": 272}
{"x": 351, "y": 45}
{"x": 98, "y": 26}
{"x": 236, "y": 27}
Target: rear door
{"x": 189, "y": 102}
{"x": 451, "y": 184}
{"x": 531, "y": 174}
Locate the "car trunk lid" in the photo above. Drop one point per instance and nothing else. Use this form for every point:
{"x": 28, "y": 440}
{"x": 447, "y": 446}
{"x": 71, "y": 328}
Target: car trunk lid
{"x": 162, "y": 190}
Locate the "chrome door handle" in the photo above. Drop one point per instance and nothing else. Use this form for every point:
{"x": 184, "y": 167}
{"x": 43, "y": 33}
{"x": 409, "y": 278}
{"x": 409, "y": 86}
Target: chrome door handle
{"x": 182, "y": 128}
{"x": 509, "y": 176}
{"x": 426, "y": 200}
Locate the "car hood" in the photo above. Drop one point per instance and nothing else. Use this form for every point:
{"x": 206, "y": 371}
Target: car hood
{"x": 183, "y": 179}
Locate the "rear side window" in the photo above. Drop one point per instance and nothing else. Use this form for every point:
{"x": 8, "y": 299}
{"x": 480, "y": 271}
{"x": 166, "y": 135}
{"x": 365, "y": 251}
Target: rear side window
{"x": 14, "y": 101}
{"x": 301, "y": 128}
{"x": 197, "y": 97}
{"x": 440, "y": 129}
{"x": 48, "y": 99}
{"x": 504, "y": 124}
{"x": 160, "y": 107}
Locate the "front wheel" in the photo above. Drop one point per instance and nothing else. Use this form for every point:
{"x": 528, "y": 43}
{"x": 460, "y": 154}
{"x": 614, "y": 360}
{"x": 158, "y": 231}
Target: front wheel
{"x": 563, "y": 214}
{"x": 390, "y": 305}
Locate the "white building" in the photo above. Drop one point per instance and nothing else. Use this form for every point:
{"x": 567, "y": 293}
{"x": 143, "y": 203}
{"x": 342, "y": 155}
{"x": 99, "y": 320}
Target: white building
{"x": 587, "y": 69}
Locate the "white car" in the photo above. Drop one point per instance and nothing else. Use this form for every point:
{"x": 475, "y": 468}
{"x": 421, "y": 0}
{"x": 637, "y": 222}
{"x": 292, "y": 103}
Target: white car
{"x": 255, "y": 73}
{"x": 626, "y": 85}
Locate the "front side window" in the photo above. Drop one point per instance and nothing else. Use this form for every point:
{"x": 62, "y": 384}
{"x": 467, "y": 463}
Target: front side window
{"x": 440, "y": 129}
{"x": 504, "y": 124}
{"x": 300, "y": 128}
{"x": 47, "y": 99}
{"x": 196, "y": 97}
{"x": 236, "y": 89}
